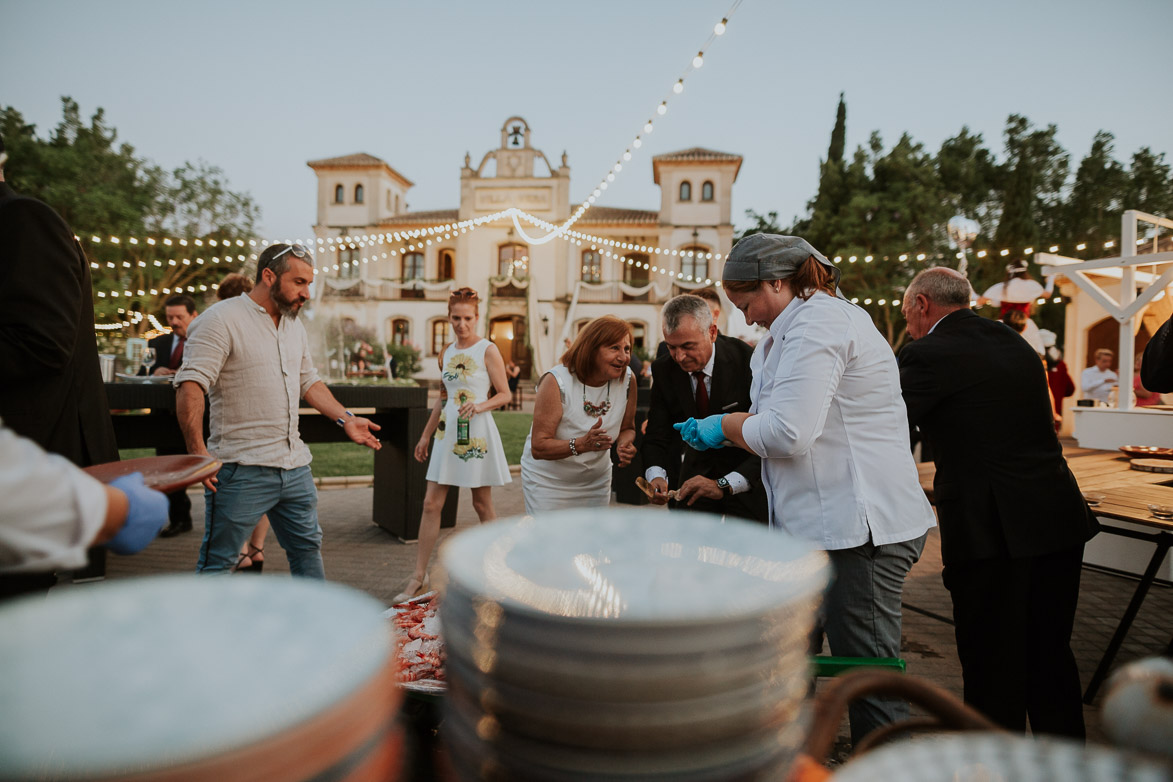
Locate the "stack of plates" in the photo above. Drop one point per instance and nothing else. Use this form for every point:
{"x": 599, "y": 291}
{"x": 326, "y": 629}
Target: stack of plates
{"x": 627, "y": 645}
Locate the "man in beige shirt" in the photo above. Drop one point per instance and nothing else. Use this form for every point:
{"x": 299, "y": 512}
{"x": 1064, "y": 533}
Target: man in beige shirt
{"x": 250, "y": 354}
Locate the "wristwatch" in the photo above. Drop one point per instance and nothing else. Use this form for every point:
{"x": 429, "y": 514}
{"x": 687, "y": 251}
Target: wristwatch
{"x": 723, "y": 485}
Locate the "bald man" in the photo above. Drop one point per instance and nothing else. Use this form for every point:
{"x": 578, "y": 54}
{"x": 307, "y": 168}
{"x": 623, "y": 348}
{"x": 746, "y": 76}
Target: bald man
{"x": 1013, "y": 522}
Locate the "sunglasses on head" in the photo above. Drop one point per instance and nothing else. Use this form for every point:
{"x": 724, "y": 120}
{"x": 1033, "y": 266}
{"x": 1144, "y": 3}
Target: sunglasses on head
{"x": 464, "y": 293}
{"x": 296, "y": 249}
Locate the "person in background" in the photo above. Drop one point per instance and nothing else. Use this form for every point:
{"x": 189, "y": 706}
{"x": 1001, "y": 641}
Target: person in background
{"x": 513, "y": 373}
{"x": 1019, "y": 292}
{"x": 1017, "y": 320}
{"x": 180, "y": 311}
{"x": 1156, "y": 370}
{"x": 1144, "y": 397}
{"x": 1098, "y": 380}
{"x": 829, "y": 424}
{"x": 584, "y": 405}
{"x": 1058, "y": 378}
{"x": 704, "y": 371}
{"x": 1013, "y": 522}
{"x": 53, "y": 511}
{"x": 252, "y": 554}
{"x": 474, "y": 385}
{"x": 251, "y": 356}
{"x": 51, "y": 387}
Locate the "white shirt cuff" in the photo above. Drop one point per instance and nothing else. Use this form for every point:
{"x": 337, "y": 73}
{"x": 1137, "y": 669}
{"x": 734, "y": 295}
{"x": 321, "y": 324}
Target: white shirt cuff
{"x": 737, "y": 482}
{"x": 652, "y": 473}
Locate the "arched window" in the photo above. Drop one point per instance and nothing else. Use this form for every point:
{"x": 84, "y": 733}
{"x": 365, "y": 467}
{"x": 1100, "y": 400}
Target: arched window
{"x": 635, "y": 275}
{"x": 339, "y": 194}
{"x": 639, "y": 335}
{"x": 592, "y": 266}
{"x": 413, "y": 266}
{"x": 441, "y": 336}
{"x": 515, "y": 257}
{"x": 400, "y": 331}
{"x": 348, "y": 261}
{"x": 686, "y": 191}
{"x": 396, "y": 204}
{"x": 358, "y": 194}
{"x": 693, "y": 264}
{"x": 445, "y": 266}
{"x": 707, "y": 191}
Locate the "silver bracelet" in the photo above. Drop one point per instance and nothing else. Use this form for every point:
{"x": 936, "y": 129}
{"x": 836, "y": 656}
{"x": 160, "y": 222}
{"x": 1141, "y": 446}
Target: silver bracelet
{"x": 573, "y": 450}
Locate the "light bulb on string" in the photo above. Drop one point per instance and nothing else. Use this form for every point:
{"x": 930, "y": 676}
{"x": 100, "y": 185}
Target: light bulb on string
{"x": 637, "y": 143}
{"x": 678, "y": 87}
{"x": 719, "y": 28}
{"x": 627, "y": 154}
{"x": 662, "y": 109}
{"x": 648, "y": 127}
{"x": 699, "y": 60}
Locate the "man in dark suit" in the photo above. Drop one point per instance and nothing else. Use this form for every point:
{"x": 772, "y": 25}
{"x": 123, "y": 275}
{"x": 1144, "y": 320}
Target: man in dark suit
{"x": 1156, "y": 369}
{"x": 1013, "y": 522}
{"x": 51, "y": 389}
{"x": 180, "y": 311}
{"x": 703, "y": 373}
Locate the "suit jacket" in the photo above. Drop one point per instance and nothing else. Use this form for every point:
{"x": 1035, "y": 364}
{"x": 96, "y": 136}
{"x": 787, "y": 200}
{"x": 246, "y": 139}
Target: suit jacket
{"x": 672, "y": 401}
{"x": 978, "y": 392}
{"x": 51, "y": 389}
{"x": 1156, "y": 369}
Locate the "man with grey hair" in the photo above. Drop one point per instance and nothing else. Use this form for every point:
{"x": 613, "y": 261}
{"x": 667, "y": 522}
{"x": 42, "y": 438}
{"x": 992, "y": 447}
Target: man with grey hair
{"x": 1013, "y": 522}
{"x": 702, "y": 372}
{"x": 251, "y": 356}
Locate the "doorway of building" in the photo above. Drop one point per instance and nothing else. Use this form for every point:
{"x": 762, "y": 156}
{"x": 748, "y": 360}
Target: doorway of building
{"x": 508, "y": 334}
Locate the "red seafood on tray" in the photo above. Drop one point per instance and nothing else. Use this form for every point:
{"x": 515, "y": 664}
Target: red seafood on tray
{"x": 421, "y": 654}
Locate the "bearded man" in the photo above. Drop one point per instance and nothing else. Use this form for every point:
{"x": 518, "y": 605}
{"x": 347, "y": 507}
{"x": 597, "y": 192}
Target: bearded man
{"x": 251, "y": 355}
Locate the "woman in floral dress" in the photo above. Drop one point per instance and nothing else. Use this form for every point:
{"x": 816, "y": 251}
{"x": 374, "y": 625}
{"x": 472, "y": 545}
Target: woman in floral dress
{"x": 471, "y": 368}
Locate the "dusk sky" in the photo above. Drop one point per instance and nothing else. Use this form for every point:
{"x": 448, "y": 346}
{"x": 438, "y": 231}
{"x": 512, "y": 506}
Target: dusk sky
{"x": 259, "y": 88}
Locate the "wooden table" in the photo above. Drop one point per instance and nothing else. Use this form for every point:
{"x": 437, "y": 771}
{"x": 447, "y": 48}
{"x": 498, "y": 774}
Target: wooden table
{"x": 1127, "y": 494}
{"x": 401, "y": 411}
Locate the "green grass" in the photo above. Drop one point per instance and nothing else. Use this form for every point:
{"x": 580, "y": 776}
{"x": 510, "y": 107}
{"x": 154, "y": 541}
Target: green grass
{"x": 335, "y": 459}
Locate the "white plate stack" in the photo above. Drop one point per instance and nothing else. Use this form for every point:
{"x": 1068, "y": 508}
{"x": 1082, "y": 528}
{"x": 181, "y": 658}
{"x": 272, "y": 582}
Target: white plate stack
{"x": 627, "y": 645}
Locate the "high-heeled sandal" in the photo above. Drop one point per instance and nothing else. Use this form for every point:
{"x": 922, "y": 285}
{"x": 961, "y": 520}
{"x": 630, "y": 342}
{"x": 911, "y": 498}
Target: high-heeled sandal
{"x": 254, "y": 565}
{"x": 409, "y": 593}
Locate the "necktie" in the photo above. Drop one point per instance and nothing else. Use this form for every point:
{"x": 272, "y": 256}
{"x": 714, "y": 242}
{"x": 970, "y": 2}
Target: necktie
{"x": 702, "y": 394}
{"x": 177, "y": 355}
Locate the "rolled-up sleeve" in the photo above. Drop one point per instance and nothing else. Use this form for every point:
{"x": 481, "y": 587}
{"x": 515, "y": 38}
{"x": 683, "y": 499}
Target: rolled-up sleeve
{"x": 806, "y": 377}
{"x": 51, "y": 510}
{"x": 209, "y": 342}
{"x": 309, "y": 375}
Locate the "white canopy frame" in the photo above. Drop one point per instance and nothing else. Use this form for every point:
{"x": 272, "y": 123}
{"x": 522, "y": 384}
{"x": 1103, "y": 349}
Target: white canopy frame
{"x": 1125, "y": 309}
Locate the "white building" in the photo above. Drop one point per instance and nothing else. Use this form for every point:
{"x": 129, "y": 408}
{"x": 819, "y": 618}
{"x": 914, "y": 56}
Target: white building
{"x": 532, "y": 297}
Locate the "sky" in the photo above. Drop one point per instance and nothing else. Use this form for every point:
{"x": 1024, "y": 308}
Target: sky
{"x": 259, "y": 87}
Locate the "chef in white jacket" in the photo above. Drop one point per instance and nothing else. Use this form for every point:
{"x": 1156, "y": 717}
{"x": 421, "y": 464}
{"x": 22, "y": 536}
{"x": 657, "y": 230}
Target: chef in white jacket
{"x": 829, "y": 423}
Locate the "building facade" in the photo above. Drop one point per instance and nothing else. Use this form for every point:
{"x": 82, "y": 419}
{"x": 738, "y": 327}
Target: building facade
{"x": 533, "y": 296}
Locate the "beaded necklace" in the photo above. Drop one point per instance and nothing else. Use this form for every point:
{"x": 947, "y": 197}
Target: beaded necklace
{"x": 594, "y": 410}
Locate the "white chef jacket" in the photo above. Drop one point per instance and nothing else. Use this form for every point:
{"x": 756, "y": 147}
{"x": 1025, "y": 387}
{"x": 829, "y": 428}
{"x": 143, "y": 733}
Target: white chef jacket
{"x": 51, "y": 510}
{"x": 830, "y": 426}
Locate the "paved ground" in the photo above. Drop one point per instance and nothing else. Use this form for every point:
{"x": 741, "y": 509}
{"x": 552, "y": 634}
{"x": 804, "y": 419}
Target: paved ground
{"x": 362, "y": 555}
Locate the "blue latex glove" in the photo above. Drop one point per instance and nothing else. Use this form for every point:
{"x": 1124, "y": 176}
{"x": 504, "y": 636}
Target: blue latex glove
{"x": 145, "y": 517}
{"x": 703, "y": 434}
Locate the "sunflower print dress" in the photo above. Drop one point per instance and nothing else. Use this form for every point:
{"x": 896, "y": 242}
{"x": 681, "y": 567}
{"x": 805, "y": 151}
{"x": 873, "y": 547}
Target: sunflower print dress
{"x": 482, "y": 461}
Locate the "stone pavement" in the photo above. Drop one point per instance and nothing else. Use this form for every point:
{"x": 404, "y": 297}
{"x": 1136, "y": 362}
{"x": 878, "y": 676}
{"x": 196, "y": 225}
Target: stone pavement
{"x": 362, "y": 555}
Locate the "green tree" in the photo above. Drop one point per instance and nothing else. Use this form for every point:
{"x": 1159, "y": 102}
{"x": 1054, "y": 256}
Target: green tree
{"x": 105, "y": 191}
{"x": 1093, "y": 211}
{"x": 1150, "y": 185}
{"x": 762, "y": 224}
{"x": 833, "y": 190}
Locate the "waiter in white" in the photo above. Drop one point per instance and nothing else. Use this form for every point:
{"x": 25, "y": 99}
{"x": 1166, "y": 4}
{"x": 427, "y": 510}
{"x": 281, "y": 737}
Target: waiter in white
{"x": 829, "y": 423}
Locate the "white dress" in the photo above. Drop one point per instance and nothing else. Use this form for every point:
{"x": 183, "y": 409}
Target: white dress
{"x": 577, "y": 481}
{"x": 481, "y": 462}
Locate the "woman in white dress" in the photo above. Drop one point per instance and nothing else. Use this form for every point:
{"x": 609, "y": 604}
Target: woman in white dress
{"x": 584, "y": 405}
{"x": 471, "y": 368}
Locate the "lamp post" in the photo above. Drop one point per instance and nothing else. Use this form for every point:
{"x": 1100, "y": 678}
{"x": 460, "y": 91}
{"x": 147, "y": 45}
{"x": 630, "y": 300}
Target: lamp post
{"x": 962, "y": 232}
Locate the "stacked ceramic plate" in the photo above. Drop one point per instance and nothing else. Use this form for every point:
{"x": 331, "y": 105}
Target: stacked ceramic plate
{"x": 626, "y": 644}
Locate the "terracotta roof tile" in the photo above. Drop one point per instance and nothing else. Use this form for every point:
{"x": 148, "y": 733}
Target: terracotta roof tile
{"x": 358, "y": 160}
{"x": 615, "y": 214}
{"x": 697, "y": 153}
{"x": 426, "y": 217}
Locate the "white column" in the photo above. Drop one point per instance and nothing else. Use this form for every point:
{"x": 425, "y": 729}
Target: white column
{"x": 1125, "y": 354}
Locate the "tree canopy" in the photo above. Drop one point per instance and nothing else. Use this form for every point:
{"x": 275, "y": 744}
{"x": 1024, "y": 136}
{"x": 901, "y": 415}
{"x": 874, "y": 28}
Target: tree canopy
{"x": 103, "y": 189}
{"x": 884, "y": 212}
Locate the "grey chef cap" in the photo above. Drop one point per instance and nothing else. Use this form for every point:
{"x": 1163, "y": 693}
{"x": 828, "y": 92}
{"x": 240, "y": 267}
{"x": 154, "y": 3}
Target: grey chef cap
{"x": 772, "y": 257}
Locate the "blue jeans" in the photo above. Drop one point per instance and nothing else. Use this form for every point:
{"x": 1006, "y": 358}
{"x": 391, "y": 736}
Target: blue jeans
{"x": 861, "y": 617}
{"x": 246, "y": 492}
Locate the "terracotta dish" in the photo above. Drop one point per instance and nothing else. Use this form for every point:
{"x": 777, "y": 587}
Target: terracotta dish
{"x": 162, "y": 473}
{"x": 1148, "y": 451}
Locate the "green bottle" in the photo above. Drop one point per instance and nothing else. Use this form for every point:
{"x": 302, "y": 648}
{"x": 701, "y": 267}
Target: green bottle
{"x": 461, "y": 431}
